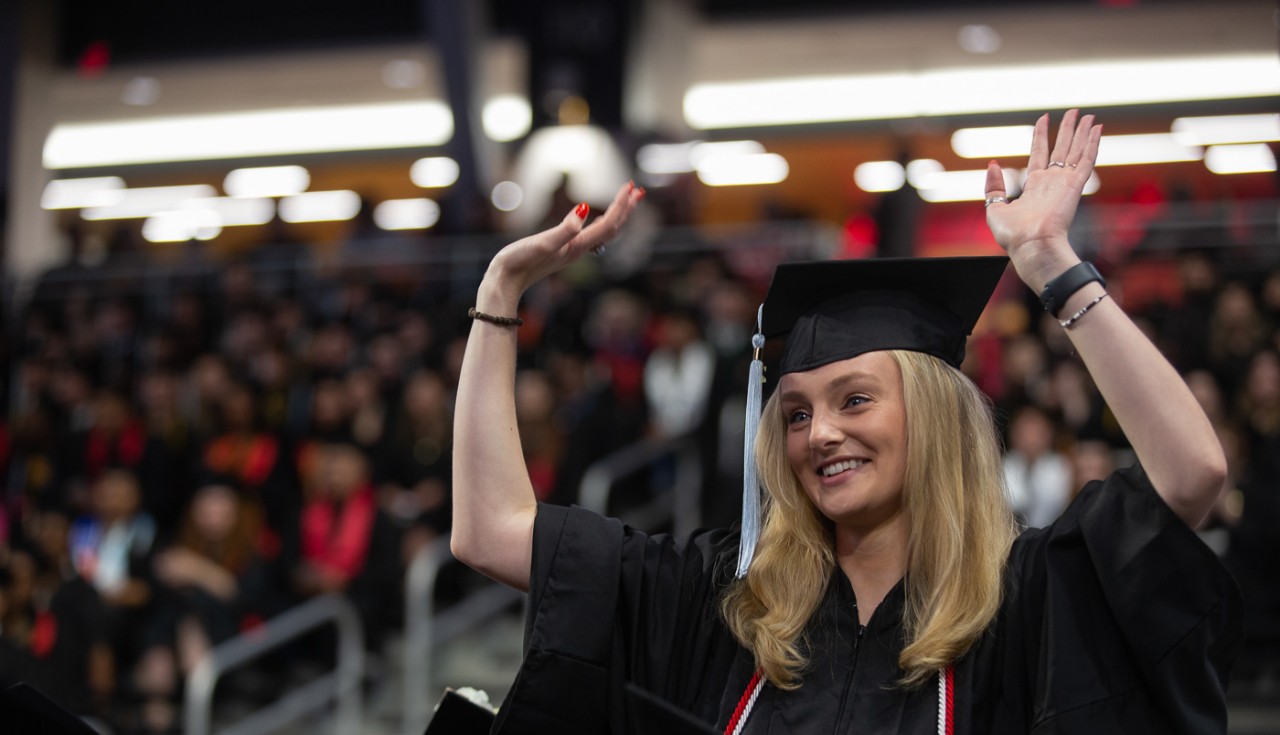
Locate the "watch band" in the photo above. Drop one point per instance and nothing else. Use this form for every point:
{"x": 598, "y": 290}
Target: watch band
{"x": 1058, "y": 290}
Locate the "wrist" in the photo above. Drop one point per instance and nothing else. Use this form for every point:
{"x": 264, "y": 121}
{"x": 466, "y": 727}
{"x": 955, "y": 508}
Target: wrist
{"x": 497, "y": 294}
{"x": 1043, "y": 263}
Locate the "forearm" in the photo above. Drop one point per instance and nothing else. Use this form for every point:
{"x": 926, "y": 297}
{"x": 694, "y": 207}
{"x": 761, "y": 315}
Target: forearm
{"x": 493, "y": 500}
{"x": 1169, "y": 432}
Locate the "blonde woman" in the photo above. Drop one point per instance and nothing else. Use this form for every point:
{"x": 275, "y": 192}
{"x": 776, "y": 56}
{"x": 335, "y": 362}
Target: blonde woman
{"x": 887, "y": 589}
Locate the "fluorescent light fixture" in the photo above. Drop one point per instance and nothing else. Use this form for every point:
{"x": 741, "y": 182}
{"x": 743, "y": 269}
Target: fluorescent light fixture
{"x": 506, "y": 196}
{"x": 984, "y": 89}
{"x": 136, "y": 203}
{"x": 1223, "y": 129}
{"x": 875, "y": 176}
{"x": 919, "y": 170}
{"x": 956, "y": 186}
{"x": 232, "y": 212}
{"x": 1121, "y": 150}
{"x": 247, "y": 134}
{"x": 681, "y": 158}
{"x": 743, "y": 169}
{"x": 507, "y": 118}
{"x": 98, "y": 191}
{"x": 997, "y": 142}
{"x": 435, "y": 172}
{"x": 406, "y": 214}
{"x": 181, "y": 226}
{"x": 1252, "y": 158}
{"x": 320, "y": 206}
{"x": 267, "y": 181}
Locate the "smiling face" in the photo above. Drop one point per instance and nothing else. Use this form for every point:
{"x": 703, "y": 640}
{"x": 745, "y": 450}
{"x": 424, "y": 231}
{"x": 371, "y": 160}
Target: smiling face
{"x": 847, "y": 438}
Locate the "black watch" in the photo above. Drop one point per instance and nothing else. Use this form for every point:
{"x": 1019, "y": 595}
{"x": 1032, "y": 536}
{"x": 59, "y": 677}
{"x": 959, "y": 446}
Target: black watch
{"x": 1057, "y": 291}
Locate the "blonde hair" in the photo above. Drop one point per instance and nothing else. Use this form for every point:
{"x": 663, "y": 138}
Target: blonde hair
{"x": 960, "y": 525}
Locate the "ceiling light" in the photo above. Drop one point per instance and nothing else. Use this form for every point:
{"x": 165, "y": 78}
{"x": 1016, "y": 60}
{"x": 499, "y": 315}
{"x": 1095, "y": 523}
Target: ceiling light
{"x": 233, "y": 212}
{"x": 920, "y": 169}
{"x": 1220, "y": 129}
{"x": 406, "y": 214}
{"x": 98, "y": 191}
{"x": 135, "y": 203}
{"x": 506, "y": 196}
{"x": 1119, "y": 150}
{"x": 975, "y": 90}
{"x": 320, "y": 206}
{"x": 1253, "y": 158}
{"x": 876, "y": 176}
{"x": 507, "y": 118}
{"x": 181, "y": 226}
{"x": 249, "y": 134}
{"x": 742, "y": 169}
{"x": 997, "y": 142}
{"x": 267, "y": 181}
{"x": 435, "y": 172}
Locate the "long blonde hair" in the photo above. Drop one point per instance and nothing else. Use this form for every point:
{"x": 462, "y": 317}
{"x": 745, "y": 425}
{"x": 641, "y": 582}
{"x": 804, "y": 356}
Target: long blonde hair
{"x": 960, "y": 525}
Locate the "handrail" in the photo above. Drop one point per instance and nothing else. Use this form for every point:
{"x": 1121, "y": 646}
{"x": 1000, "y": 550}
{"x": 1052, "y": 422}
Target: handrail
{"x": 425, "y": 629}
{"x": 686, "y": 507}
{"x": 341, "y": 685}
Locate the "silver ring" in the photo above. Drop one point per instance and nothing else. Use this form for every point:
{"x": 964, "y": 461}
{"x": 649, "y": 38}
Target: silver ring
{"x": 996, "y": 200}
{"x": 598, "y": 250}
{"x": 1059, "y": 164}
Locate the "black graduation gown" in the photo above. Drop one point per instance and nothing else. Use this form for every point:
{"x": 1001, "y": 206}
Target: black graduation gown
{"x": 1115, "y": 619}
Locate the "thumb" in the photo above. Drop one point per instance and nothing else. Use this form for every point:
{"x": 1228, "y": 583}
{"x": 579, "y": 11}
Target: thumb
{"x": 573, "y": 222}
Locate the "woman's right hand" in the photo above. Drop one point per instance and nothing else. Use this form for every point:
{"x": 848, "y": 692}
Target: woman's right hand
{"x": 524, "y": 262}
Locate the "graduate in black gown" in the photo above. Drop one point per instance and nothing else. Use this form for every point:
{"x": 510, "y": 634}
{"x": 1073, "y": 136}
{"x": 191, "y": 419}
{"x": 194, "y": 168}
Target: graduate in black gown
{"x": 886, "y": 588}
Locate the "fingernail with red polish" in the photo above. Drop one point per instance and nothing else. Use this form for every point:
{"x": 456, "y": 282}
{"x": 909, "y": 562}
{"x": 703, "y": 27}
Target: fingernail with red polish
{"x": 642, "y": 193}
{"x": 631, "y": 186}
{"x": 582, "y": 210}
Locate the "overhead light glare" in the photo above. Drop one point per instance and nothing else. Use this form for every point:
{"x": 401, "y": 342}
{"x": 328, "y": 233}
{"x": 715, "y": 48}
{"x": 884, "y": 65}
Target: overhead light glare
{"x": 137, "y": 203}
{"x": 1224, "y": 129}
{"x": 267, "y": 181}
{"x": 879, "y": 176}
{"x": 920, "y": 169}
{"x": 506, "y": 118}
{"x": 182, "y": 226}
{"x": 984, "y": 89}
{"x": 406, "y": 214}
{"x": 1121, "y": 150}
{"x": 248, "y": 134}
{"x": 97, "y": 191}
{"x": 507, "y": 196}
{"x": 996, "y": 142}
{"x": 435, "y": 172}
{"x": 1252, "y": 158}
{"x": 743, "y": 169}
{"x": 320, "y": 206}
{"x": 233, "y": 212}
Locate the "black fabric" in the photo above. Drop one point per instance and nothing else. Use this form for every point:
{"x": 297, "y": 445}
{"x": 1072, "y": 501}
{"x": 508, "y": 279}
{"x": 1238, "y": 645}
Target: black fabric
{"x": 1116, "y": 619}
{"x": 835, "y": 310}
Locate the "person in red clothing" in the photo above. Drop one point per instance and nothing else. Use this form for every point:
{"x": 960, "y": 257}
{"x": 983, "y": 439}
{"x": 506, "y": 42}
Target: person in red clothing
{"x": 337, "y": 519}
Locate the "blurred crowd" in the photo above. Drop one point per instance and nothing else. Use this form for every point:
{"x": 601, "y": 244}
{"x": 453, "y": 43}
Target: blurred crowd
{"x": 187, "y": 455}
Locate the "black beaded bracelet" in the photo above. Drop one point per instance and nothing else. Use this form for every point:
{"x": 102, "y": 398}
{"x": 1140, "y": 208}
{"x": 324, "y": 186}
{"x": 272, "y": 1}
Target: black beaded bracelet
{"x": 501, "y": 321}
{"x": 1057, "y": 291}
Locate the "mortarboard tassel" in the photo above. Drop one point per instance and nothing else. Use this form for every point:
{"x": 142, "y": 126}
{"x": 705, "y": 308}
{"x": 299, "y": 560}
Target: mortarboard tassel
{"x": 750, "y": 483}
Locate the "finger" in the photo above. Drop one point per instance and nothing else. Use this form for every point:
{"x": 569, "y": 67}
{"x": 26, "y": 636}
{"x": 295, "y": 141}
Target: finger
{"x": 1079, "y": 141}
{"x": 570, "y": 226}
{"x": 1062, "y": 146}
{"x": 607, "y": 225}
{"x": 1039, "y": 144}
{"x": 995, "y": 184}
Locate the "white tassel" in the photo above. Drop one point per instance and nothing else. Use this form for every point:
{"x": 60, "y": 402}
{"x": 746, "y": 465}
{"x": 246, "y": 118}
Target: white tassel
{"x": 750, "y": 483}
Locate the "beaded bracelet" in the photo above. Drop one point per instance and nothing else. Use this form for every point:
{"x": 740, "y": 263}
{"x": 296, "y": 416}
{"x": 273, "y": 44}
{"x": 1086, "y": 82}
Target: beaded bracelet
{"x": 1066, "y": 324}
{"x": 501, "y": 321}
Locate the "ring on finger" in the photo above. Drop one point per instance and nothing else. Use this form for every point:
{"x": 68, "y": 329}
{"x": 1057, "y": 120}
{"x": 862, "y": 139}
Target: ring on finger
{"x": 995, "y": 200}
{"x": 598, "y": 250}
{"x": 1072, "y": 165}
{"x": 1059, "y": 164}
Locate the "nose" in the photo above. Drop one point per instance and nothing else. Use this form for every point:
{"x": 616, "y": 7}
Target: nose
{"x": 823, "y": 431}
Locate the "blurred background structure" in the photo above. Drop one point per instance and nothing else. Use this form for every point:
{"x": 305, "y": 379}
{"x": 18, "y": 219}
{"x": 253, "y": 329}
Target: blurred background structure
{"x": 240, "y": 239}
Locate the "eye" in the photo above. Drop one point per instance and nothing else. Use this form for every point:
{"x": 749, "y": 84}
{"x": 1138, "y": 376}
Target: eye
{"x": 855, "y": 400}
{"x": 797, "y": 416}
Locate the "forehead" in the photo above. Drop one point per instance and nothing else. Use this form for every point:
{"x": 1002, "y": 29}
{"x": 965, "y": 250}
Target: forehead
{"x": 870, "y": 370}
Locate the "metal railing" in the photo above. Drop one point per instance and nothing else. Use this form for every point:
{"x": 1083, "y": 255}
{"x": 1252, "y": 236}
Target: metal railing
{"x": 682, "y": 504}
{"x": 425, "y": 629}
{"x": 340, "y": 686}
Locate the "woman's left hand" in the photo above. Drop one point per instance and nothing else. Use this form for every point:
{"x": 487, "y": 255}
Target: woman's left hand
{"x": 1033, "y": 228}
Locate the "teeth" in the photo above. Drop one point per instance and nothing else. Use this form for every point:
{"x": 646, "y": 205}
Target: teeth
{"x": 838, "y": 467}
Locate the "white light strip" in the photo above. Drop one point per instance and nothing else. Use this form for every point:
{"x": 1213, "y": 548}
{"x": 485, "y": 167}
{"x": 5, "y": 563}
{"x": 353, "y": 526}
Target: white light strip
{"x": 99, "y": 191}
{"x": 998, "y": 142}
{"x": 877, "y": 176}
{"x": 320, "y": 206}
{"x": 679, "y": 158}
{"x": 233, "y": 212}
{"x": 181, "y": 226}
{"x": 506, "y": 118}
{"x": 960, "y": 186}
{"x": 247, "y": 134}
{"x": 743, "y": 169}
{"x": 1119, "y": 150}
{"x": 1255, "y": 158}
{"x": 1220, "y": 129}
{"x": 136, "y": 203}
{"x": 800, "y": 100}
{"x": 406, "y": 214}
{"x": 267, "y": 181}
{"x": 435, "y": 172}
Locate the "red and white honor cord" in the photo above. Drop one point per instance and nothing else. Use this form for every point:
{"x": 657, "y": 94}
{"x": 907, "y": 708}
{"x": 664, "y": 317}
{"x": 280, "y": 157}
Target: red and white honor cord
{"x": 946, "y": 699}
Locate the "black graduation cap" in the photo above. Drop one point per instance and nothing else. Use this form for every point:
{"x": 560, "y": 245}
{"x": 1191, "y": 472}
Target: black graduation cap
{"x": 457, "y": 715}
{"x": 26, "y": 709}
{"x": 834, "y": 310}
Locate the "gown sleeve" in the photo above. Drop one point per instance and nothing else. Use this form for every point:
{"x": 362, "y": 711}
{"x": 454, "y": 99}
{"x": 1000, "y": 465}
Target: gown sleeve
{"x": 610, "y": 605}
{"x": 1127, "y": 618}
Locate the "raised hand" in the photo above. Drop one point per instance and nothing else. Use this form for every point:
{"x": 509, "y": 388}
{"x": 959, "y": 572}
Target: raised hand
{"x": 1033, "y": 228}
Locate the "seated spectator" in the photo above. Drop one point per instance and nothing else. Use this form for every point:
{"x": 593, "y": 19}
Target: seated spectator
{"x": 254, "y": 457}
{"x": 1038, "y": 478}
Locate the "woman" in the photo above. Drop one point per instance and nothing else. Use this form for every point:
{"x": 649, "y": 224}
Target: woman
{"x": 887, "y": 559}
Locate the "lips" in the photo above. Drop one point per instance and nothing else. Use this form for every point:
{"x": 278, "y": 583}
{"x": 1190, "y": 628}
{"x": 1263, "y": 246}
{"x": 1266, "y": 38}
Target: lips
{"x": 836, "y": 468}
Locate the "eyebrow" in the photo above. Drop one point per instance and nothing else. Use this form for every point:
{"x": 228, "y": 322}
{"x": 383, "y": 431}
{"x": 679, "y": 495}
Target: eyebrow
{"x": 836, "y": 385}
